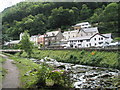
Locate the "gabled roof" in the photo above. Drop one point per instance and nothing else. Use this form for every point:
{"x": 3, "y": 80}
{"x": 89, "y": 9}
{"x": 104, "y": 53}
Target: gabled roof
{"x": 35, "y": 36}
{"x": 81, "y": 23}
{"x": 92, "y": 29}
{"x": 41, "y": 36}
{"x": 14, "y": 42}
{"x": 89, "y": 37}
{"x": 52, "y": 33}
{"x": 107, "y": 35}
{"x": 81, "y": 38}
{"x": 73, "y": 31}
{"x": 99, "y": 34}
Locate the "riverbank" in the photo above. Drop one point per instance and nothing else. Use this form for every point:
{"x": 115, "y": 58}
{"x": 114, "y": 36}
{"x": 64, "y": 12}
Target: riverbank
{"x": 82, "y": 76}
{"x": 93, "y": 58}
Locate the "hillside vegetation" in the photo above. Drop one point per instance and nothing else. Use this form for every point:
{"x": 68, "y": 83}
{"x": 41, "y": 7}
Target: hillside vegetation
{"x": 39, "y": 17}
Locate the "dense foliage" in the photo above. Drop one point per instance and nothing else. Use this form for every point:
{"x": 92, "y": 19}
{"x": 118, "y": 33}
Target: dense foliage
{"x": 38, "y": 17}
{"x": 26, "y": 44}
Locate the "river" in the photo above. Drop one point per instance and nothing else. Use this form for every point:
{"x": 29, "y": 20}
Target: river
{"x": 86, "y": 76}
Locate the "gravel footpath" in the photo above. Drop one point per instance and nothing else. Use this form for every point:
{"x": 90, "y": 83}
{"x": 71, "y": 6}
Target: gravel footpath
{"x": 11, "y": 79}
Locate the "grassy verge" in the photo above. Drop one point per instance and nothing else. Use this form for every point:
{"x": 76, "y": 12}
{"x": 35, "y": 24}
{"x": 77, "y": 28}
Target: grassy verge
{"x": 41, "y": 75}
{"x": 25, "y": 65}
{"x": 2, "y": 70}
{"x": 93, "y": 58}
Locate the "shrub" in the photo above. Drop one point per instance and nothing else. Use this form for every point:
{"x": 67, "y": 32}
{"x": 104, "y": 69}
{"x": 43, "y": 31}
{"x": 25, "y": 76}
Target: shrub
{"x": 17, "y": 54}
{"x": 49, "y": 76}
{"x": 96, "y": 59}
{"x": 24, "y": 54}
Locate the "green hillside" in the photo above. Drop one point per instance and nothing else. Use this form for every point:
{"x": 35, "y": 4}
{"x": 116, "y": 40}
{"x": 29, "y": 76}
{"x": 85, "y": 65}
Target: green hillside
{"x": 39, "y": 17}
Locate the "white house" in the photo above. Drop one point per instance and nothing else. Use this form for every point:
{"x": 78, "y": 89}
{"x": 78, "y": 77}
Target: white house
{"x": 80, "y": 33}
{"x": 88, "y": 31}
{"x": 81, "y": 25}
{"x": 53, "y": 37}
{"x": 34, "y": 39}
{"x": 70, "y": 34}
{"x": 96, "y": 40}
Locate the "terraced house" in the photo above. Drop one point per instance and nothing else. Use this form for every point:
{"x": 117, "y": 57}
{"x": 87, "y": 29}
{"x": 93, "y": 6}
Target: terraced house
{"x": 53, "y": 37}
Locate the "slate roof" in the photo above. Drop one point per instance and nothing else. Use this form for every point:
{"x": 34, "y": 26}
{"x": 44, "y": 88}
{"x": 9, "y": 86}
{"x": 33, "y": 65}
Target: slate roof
{"x": 12, "y": 42}
{"x": 81, "y": 23}
{"x": 52, "y": 33}
{"x": 92, "y": 29}
{"x": 81, "y": 38}
{"x": 107, "y": 35}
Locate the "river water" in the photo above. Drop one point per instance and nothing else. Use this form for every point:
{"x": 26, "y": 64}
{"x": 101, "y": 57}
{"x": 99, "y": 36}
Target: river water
{"x": 86, "y": 76}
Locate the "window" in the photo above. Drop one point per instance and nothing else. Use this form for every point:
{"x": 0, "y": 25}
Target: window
{"x": 87, "y": 45}
{"x": 101, "y": 38}
{"x": 100, "y": 42}
{"x": 81, "y": 40}
{"x": 95, "y": 44}
{"x": 53, "y": 38}
{"x": 87, "y": 40}
{"x": 94, "y": 38}
{"x": 90, "y": 44}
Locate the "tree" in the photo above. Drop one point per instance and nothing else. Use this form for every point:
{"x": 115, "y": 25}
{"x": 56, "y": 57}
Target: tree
{"x": 26, "y": 44}
{"x": 96, "y": 15}
{"x": 61, "y": 17}
{"x": 109, "y": 18}
{"x": 85, "y": 12}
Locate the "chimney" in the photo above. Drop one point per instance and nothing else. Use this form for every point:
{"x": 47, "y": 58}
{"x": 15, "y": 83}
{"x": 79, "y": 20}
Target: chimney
{"x": 59, "y": 29}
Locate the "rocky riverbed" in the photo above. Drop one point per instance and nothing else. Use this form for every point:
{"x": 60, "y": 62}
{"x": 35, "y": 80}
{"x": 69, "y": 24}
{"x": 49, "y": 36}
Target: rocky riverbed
{"x": 86, "y": 76}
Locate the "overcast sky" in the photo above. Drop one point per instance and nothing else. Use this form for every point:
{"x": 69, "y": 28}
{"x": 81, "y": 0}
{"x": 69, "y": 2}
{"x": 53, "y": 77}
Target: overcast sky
{"x": 7, "y": 3}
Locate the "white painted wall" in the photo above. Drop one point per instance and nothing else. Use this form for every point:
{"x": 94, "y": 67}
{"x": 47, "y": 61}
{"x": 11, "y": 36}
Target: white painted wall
{"x": 84, "y": 25}
{"x": 34, "y": 39}
{"x": 95, "y": 41}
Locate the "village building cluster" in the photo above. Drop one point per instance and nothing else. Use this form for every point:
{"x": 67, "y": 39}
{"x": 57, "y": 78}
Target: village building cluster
{"x": 82, "y": 35}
